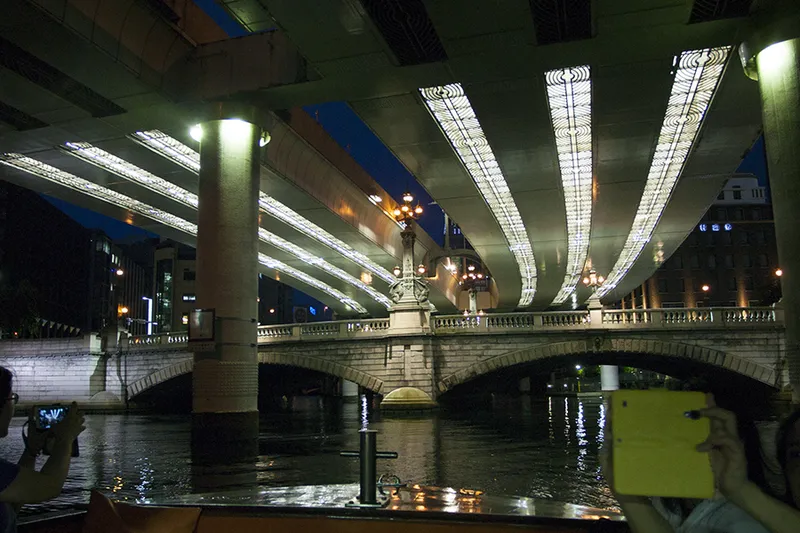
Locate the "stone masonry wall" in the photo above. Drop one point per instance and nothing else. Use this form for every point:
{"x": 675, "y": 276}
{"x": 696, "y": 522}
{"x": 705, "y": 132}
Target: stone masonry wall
{"x": 60, "y": 370}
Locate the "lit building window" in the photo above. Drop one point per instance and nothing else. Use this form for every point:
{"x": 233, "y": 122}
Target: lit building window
{"x": 185, "y": 319}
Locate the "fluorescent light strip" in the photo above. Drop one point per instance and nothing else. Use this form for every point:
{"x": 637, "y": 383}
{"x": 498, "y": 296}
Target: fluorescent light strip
{"x": 37, "y": 168}
{"x": 307, "y": 258}
{"x": 55, "y": 175}
{"x": 101, "y": 158}
{"x": 166, "y": 146}
{"x": 270, "y": 262}
{"x": 569, "y": 94}
{"x": 697, "y": 75}
{"x": 179, "y": 153}
{"x": 450, "y": 107}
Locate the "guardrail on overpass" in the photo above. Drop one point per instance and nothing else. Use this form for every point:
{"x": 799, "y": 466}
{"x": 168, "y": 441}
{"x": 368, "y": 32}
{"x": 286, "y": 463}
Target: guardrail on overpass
{"x": 684, "y": 318}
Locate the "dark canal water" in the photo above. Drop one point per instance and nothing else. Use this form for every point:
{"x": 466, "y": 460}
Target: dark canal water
{"x": 544, "y": 448}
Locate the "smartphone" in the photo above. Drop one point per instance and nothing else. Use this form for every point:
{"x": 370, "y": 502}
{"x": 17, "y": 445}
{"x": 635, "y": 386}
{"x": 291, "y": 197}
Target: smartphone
{"x": 654, "y": 437}
{"x": 45, "y": 417}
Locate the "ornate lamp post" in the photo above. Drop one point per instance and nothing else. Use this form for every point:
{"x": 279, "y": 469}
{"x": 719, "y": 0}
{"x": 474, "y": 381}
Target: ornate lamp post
{"x": 593, "y": 280}
{"x": 410, "y": 291}
{"x": 469, "y": 280}
{"x": 609, "y": 374}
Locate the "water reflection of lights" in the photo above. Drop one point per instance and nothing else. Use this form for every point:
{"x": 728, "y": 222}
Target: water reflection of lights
{"x": 364, "y": 412}
{"x": 551, "y": 433}
{"x": 118, "y": 484}
{"x": 146, "y": 476}
{"x": 580, "y": 433}
{"x": 601, "y": 423}
{"x": 567, "y": 427}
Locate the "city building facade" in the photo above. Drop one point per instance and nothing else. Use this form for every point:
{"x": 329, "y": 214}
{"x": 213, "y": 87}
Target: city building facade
{"x": 729, "y": 259}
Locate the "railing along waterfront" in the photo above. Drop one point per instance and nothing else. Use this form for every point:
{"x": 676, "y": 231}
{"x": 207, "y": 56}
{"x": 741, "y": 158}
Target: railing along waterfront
{"x": 555, "y": 321}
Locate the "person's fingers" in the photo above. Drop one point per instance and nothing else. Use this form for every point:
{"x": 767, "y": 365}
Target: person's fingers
{"x": 721, "y": 420}
{"x": 710, "y": 401}
{"x": 722, "y": 443}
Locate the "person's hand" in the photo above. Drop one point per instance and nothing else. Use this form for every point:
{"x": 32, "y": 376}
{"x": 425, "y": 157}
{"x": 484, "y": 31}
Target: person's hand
{"x": 72, "y": 425}
{"x": 725, "y": 452}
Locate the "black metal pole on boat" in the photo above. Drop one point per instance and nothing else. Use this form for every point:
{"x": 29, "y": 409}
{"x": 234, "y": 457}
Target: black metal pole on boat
{"x": 369, "y": 466}
{"x": 368, "y": 455}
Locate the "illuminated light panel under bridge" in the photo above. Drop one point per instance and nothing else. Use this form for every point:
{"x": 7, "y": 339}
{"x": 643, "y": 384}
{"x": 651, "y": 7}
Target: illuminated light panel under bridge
{"x": 60, "y": 177}
{"x": 180, "y": 154}
{"x": 107, "y": 161}
{"x": 697, "y": 75}
{"x": 451, "y": 109}
{"x": 569, "y": 95}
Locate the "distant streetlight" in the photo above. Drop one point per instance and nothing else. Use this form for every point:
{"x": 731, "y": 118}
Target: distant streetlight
{"x": 120, "y": 272}
{"x": 272, "y": 311}
{"x": 421, "y": 269}
{"x": 705, "y": 288}
{"x": 779, "y": 272}
{"x": 578, "y": 367}
{"x": 396, "y": 271}
{"x": 123, "y": 310}
{"x": 149, "y": 314}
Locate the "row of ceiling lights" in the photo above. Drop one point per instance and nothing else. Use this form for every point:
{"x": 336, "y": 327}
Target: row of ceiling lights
{"x": 697, "y": 75}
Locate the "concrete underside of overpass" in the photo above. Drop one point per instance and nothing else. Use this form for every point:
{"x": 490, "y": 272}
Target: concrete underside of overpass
{"x": 139, "y": 72}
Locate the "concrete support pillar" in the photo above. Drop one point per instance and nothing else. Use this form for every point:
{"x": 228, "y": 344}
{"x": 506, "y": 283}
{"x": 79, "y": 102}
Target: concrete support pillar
{"x": 609, "y": 377}
{"x": 225, "y": 381}
{"x": 525, "y": 385}
{"x": 779, "y": 82}
{"x": 349, "y": 391}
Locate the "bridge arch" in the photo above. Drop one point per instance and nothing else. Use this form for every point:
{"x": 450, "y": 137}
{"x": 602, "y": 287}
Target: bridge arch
{"x": 160, "y": 376}
{"x": 310, "y": 363}
{"x": 599, "y": 346}
{"x": 322, "y": 365}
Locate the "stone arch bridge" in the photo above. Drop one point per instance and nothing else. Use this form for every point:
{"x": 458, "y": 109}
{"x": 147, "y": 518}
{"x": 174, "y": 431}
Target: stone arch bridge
{"x": 748, "y": 342}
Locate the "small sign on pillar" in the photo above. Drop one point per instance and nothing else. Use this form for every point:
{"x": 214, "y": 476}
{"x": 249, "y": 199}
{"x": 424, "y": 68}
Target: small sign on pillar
{"x": 202, "y": 330}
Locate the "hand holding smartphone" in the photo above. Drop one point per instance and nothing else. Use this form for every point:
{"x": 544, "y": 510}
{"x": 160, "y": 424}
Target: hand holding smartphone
{"x": 63, "y": 421}
{"x": 655, "y": 436}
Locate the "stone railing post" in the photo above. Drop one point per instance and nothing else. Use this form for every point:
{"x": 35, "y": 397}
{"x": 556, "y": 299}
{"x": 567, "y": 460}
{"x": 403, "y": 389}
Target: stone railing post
{"x": 343, "y": 331}
{"x": 595, "y": 312}
{"x": 657, "y": 318}
{"x": 538, "y": 321}
{"x": 717, "y": 315}
{"x": 297, "y": 332}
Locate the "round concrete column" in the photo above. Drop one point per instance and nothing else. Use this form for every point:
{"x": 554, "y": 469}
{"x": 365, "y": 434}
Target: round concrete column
{"x": 225, "y": 381}
{"x": 349, "y": 391}
{"x": 779, "y": 81}
{"x": 609, "y": 377}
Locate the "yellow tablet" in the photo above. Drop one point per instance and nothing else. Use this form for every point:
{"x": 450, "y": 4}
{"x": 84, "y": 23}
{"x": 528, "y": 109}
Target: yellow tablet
{"x": 654, "y": 444}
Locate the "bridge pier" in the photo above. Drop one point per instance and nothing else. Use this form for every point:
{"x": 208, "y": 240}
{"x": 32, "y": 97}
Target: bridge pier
{"x": 225, "y": 380}
{"x": 772, "y": 56}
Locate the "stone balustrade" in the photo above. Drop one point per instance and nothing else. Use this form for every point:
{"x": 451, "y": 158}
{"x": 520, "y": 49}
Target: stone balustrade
{"x": 556, "y": 321}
